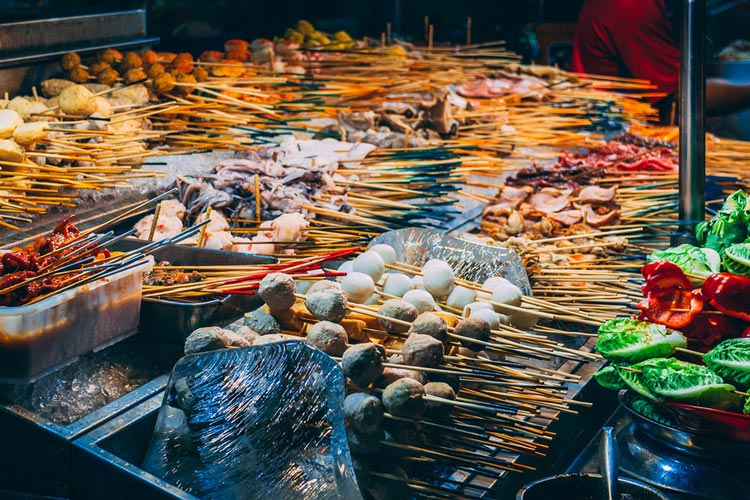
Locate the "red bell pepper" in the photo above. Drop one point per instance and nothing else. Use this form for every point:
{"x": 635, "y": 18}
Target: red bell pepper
{"x": 672, "y": 307}
{"x": 728, "y": 293}
{"x": 663, "y": 275}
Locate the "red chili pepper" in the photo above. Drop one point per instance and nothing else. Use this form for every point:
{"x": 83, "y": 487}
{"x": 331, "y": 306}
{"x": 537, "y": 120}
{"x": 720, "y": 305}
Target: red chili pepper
{"x": 671, "y": 307}
{"x": 661, "y": 275}
{"x": 710, "y": 329}
{"x": 729, "y": 294}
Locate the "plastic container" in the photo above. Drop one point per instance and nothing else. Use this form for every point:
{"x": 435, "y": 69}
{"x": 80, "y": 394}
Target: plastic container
{"x": 54, "y": 331}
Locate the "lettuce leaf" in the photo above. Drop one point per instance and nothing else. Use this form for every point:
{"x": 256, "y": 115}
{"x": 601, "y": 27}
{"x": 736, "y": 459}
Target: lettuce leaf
{"x": 628, "y": 340}
{"x": 691, "y": 259}
{"x": 651, "y": 411}
{"x": 731, "y": 360}
{"x": 609, "y": 378}
{"x": 736, "y": 259}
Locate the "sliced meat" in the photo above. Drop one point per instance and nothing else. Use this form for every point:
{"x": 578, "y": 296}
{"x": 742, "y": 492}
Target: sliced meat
{"x": 596, "y": 194}
{"x": 597, "y": 218}
{"x": 548, "y": 202}
{"x": 567, "y": 217}
{"x": 501, "y": 209}
{"x": 515, "y": 194}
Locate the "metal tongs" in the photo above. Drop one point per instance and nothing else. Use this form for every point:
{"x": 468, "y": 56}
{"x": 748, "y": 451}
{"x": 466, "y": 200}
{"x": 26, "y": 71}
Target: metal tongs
{"x": 608, "y": 465}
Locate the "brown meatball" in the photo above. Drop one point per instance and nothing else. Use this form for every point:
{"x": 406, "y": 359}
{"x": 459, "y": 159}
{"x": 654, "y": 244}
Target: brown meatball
{"x": 200, "y": 74}
{"x": 183, "y": 62}
{"x": 390, "y": 375}
{"x": 78, "y": 75}
{"x": 474, "y": 328}
{"x": 327, "y": 305}
{"x": 134, "y": 75}
{"x": 205, "y": 339}
{"x": 441, "y": 390}
{"x": 404, "y": 398}
{"x": 432, "y": 325}
{"x": 130, "y": 60}
{"x": 397, "y": 309}
{"x": 363, "y": 412}
{"x": 148, "y": 57}
{"x": 331, "y": 338}
{"x": 363, "y": 363}
{"x": 107, "y": 77}
{"x": 164, "y": 83}
{"x": 422, "y": 350}
{"x": 97, "y": 67}
{"x": 155, "y": 70}
{"x": 109, "y": 56}
{"x": 185, "y": 90}
{"x": 70, "y": 61}
{"x": 277, "y": 291}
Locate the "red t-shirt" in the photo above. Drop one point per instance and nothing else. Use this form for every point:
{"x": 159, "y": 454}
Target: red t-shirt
{"x": 627, "y": 38}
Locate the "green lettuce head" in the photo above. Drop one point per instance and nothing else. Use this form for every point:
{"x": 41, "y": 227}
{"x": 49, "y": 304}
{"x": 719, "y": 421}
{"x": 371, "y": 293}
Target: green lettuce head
{"x": 736, "y": 259}
{"x": 691, "y": 259}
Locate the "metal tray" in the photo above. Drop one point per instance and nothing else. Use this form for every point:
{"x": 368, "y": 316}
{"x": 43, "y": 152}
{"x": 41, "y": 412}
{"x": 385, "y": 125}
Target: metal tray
{"x": 172, "y": 321}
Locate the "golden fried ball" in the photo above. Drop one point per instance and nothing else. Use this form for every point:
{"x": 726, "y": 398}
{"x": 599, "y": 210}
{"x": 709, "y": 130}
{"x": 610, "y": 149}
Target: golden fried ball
{"x": 70, "y": 61}
{"x": 236, "y": 44}
{"x": 148, "y": 56}
{"x": 78, "y": 75}
{"x": 129, "y": 61}
{"x": 294, "y": 36}
{"x": 164, "y": 83}
{"x": 211, "y": 56}
{"x": 183, "y": 62}
{"x": 155, "y": 70}
{"x": 97, "y": 67}
{"x": 109, "y": 56}
{"x": 134, "y": 75}
{"x": 107, "y": 77}
{"x": 242, "y": 55}
{"x": 200, "y": 74}
{"x": 342, "y": 36}
{"x": 305, "y": 27}
{"x": 183, "y": 90}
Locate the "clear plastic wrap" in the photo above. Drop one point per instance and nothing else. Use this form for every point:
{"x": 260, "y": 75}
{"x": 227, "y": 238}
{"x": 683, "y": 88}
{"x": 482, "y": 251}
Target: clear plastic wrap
{"x": 259, "y": 422}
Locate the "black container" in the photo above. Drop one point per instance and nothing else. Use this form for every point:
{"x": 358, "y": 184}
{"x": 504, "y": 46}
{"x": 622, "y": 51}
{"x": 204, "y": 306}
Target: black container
{"x": 584, "y": 487}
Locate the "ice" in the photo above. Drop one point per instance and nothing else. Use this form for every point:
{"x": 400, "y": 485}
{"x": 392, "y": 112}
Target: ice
{"x": 258, "y": 422}
{"x": 92, "y": 381}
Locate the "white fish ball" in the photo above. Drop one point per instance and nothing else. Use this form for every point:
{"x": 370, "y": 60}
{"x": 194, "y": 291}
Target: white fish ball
{"x": 396, "y": 284}
{"x": 346, "y": 267}
{"x": 490, "y": 284}
{"x": 460, "y": 297}
{"x": 420, "y": 299}
{"x": 475, "y": 306}
{"x": 416, "y": 283}
{"x": 386, "y": 252}
{"x": 506, "y": 294}
{"x": 491, "y": 317}
{"x": 438, "y": 278}
{"x": 358, "y": 287}
{"x": 504, "y": 319}
{"x": 523, "y": 320}
{"x": 371, "y": 264}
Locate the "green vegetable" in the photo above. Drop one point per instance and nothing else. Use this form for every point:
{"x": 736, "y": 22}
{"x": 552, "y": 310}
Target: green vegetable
{"x": 627, "y": 340}
{"x": 746, "y": 408}
{"x": 652, "y": 411}
{"x": 633, "y": 377}
{"x": 691, "y": 259}
{"x": 735, "y": 202}
{"x": 736, "y": 259}
{"x": 609, "y": 378}
{"x": 731, "y": 360}
{"x": 726, "y": 228}
{"x": 701, "y": 232}
{"x": 675, "y": 380}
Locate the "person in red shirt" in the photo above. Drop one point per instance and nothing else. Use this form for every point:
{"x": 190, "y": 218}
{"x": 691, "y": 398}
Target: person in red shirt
{"x": 635, "y": 39}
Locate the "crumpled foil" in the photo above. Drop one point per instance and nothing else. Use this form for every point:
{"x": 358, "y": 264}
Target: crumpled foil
{"x": 470, "y": 261}
{"x": 258, "y": 422}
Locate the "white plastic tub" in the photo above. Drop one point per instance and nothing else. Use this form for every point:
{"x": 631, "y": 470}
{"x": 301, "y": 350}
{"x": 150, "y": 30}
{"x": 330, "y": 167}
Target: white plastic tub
{"x": 38, "y": 337}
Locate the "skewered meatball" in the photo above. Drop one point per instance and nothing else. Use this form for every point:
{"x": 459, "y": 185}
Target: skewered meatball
{"x": 277, "y": 290}
{"x": 78, "y": 75}
{"x": 183, "y": 62}
{"x": 130, "y": 60}
{"x": 404, "y": 398}
{"x": 460, "y": 297}
{"x": 185, "y": 90}
{"x": 240, "y": 335}
{"x": 327, "y": 305}
{"x": 489, "y": 315}
{"x": 421, "y": 299}
{"x": 358, "y": 287}
{"x": 386, "y": 252}
{"x": 422, "y": 350}
{"x": 438, "y": 277}
{"x": 441, "y": 390}
{"x": 97, "y": 66}
{"x": 262, "y": 322}
{"x": 329, "y": 337}
{"x": 148, "y": 56}
{"x": 390, "y": 375}
{"x": 363, "y": 412}
{"x": 452, "y": 380}
{"x": 109, "y": 56}
{"x": 155, "y": 70}
{"x": 70, "y": 61}
{"x": 107, "y": 77}
{"x": 361, "y": 443}
{"x": 523, "y": 320}
{"x": 506, "y": 293}
{"x": 397, "y": 309}
{"x": 363, "y": 363}
{"x": 134, "y": 75}
{"x": 273, "y": 338}
{"x": 164, "y": 83}
{"x": 474, "y": 328}
{"x": 430, "y": 324}
{"x": 370, "y": 263}
{"x": 396, "y": 284}
{"x": 205, "y": 339}
{"x": 323, "y": 285}
{"x": 211, "y": 56}
{"x": 200, "y": 74}
{"x": 242, "y": 55}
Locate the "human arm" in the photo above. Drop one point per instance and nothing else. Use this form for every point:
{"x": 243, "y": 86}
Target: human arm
{"x": 724, "y": 97}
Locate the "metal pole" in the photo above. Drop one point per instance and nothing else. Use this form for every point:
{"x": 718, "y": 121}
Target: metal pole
{"x": 692, "y": 119}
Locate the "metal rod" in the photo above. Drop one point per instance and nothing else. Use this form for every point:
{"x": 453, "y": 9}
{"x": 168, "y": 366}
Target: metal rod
{"x": 692, "y": 118}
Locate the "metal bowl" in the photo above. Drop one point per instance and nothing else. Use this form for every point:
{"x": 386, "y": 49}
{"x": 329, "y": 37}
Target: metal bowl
{"x": 584, "y": 487}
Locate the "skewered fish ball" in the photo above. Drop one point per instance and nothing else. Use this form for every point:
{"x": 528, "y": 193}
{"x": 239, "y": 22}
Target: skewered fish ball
{"x": 475, "y": 306}
{"x": 523, "y": 320}
{"x": 421, "y": 299}
{"x": 417, "y": 283}
{"x": 441, "y": 390}
{"x": 363, "y": 363}
{"x": 397, "y": 309}
{"x": 329, "y": 337}
{"x": 134, "y": 75}
{"x": 391, "y": 374}
{"x": 327, "y": 305}
{"x": 491, "y": 317}
{"x": 324, "y": 285}
{"x": 370, "y": 263}
{"x": 396, "y": 284}
{"x": 363, "y": 412}
{"x": 209, "y": 338}
{"x": 164, "y": 83}
{"x": 507, "y": 293}
{"x": 277, "y": 291}
{"x": 262, "y": 323}
{"x": 438, "y": 277}
{"x": 107, "y": 76}
{"x": 430, "y": 324}
{"x": 390, "y": 488}
{"x": 422, "y": 350}
{"x": 9, "y": 121}
{"x": 386, "y": 252}
{"x": 460, "y": 297}
{"x": 404, "y": 398}
{"x": 490, "y": 284}
{"x": 473, "y": 328}
{"x": 364, "y": 444}
{"x": 69, "y": 61}
{"x": 109, "y": 56}
{"x": 358, "y": 287}
{"x": 346, "y": 267}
